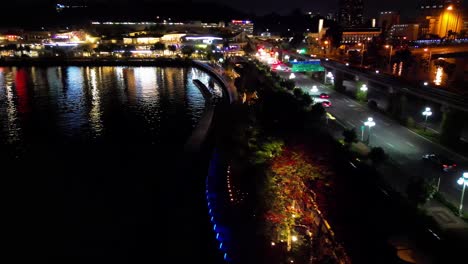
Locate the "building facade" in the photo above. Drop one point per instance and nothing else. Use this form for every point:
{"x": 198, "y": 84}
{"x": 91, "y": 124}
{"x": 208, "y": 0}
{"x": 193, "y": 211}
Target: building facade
{"x": 359, "y": 35}
{"x": 351, "y": 13}
{"x": 387, "y": 19}
{"x": 238, "y": 26}
{"x": 408, "y": 32}
{"x": 441, "y": 18}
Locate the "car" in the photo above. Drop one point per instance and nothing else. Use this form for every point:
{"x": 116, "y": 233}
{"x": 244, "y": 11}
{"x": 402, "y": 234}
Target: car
{"x": 324, "y": 96}
{"x": 326, "y": 103}
{"x": 440, "y": 162}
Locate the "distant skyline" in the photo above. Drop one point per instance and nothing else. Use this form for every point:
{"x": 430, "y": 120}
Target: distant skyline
{"x": 407, "y": 8}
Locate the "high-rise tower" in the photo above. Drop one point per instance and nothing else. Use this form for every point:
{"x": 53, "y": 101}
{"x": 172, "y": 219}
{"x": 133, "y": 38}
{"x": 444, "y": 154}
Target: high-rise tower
{"x": 351, "y": 13}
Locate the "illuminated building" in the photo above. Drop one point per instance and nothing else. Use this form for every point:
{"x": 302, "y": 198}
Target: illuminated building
{"x": 351, "y": 13}
{"x": 408, "y": 32}
{"x": 238, "y": 26}
{"x": 359, "y": 35}
{"x": 69, "y": 4}
{"x": 440, "y": 17}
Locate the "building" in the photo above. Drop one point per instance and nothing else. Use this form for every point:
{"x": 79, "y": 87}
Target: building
{"x": 435, "y": 7}
{"x": 408, "y": 32}
{"x": 238, "y": 26}
{"x": 351, "y": 13}
{"x": 359, "y": 35}
{"x": 387, "y": 19}
{"x": 440, "y": 18}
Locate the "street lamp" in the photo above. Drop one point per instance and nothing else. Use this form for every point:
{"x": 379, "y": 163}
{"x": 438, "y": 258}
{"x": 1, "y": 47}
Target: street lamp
{"x": 314, "y": 89}
{"x": 450, "y": 8}
{"x": 426, "y": 114}
{"x": 370, "y": 123}
{"x": 364, "y": 88}
{"x": 462, "y": 181}
{"x": 362, "y": 52}
{"x": 390, "y": 56}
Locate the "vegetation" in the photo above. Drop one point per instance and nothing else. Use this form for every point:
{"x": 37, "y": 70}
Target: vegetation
{"x": 377, "y": 155}
{"x": 420, "y": 190}
{"x": 187, "y": 51}
{"x": 159, "y": 47}
{"x": 261, "y": 144}
{"x": 350, "y": 136}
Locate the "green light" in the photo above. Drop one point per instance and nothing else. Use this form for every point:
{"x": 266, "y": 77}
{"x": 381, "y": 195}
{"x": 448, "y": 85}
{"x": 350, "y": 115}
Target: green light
{"x": 302, "y": 51}
{"x": 307, "y": 68}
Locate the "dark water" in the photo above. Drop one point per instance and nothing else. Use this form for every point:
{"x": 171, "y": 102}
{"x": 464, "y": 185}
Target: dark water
{"x": 92, "y": 165}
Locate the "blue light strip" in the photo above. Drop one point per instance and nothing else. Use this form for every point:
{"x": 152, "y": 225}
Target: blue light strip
{"x": 218, "y": 229}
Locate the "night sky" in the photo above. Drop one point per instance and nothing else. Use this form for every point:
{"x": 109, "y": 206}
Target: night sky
{"x": 371, "y": 7}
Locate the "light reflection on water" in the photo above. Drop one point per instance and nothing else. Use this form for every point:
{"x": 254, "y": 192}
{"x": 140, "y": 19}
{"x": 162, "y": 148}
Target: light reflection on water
{"x": 8, "y": 120}
{"x": 438, "y": 76}
{"x": 83, "y": 103}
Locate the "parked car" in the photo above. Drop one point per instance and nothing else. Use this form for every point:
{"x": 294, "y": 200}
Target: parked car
{"x": 440, "y": 162}
{"x": 324, "y": 96}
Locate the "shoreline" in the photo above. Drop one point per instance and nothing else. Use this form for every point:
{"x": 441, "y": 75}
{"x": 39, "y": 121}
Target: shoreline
{"x": 48, "y": 62}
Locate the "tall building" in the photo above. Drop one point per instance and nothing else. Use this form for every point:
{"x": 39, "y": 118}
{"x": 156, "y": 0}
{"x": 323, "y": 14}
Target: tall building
{"x": 387, "y": 19}
{"x": 351, "y": 13}
{"x": 441, "y": 17}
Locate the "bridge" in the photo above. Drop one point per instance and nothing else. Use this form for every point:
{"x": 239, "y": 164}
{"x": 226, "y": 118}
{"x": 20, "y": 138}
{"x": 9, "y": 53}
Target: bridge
{"x": 397, "y": 91}
{"x": 439, "y": 96}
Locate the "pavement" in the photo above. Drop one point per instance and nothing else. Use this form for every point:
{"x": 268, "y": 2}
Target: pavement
{"x": 405, "y": 147}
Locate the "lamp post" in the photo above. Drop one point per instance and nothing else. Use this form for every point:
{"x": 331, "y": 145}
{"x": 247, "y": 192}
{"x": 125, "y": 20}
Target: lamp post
{"x": 362, "y": 53}
{"x": 370, "y": 123}
{"x": 314, "y": 89}
{"x": 450, "y": 8}
{"x": 364, "y": 88}
{"x": 462, "y": 181}
{"x": 390, "y": 56}
{"x": 426, "y": 114}
{"x": 430, "y": 57}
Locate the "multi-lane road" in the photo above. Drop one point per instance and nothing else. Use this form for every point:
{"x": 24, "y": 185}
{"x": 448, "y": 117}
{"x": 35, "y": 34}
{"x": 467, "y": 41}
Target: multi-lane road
{"x": 404, "y": 147}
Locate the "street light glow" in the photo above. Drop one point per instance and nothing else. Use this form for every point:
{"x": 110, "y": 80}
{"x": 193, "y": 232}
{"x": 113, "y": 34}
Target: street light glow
{"x": 450, "y": 8}
{"x": 364, "y": 88}
{"x": 314, "y": 89}
{"x": 294, "y": 238}
{"x": 370, "y": 122}
{"x": 427, "y": 112}
{"x": 462, "y": 181}
{"x": 292, "y": 75}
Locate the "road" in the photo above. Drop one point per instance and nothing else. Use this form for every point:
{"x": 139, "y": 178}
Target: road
{"x": 404, "y": 147}
{"x": 441, "y": 50}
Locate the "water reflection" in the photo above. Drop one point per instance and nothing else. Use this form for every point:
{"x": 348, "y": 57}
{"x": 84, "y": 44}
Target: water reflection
{"x": 7, "y": 101}
{"x": 95, "y": 113}
{"x": 80, "y": 103}
{"x": 438, "y": 75}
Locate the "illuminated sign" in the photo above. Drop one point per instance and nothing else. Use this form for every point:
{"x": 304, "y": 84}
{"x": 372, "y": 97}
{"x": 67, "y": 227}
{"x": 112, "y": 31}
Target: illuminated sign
{"x": 307, "y": 66}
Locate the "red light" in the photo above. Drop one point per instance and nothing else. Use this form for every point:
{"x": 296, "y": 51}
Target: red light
{"x": 454, "y": 165}
{"x": 445, "y": 166}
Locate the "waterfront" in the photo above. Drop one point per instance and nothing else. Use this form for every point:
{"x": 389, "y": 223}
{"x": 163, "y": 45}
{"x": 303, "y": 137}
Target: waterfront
{"x": 94, "y": 159}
